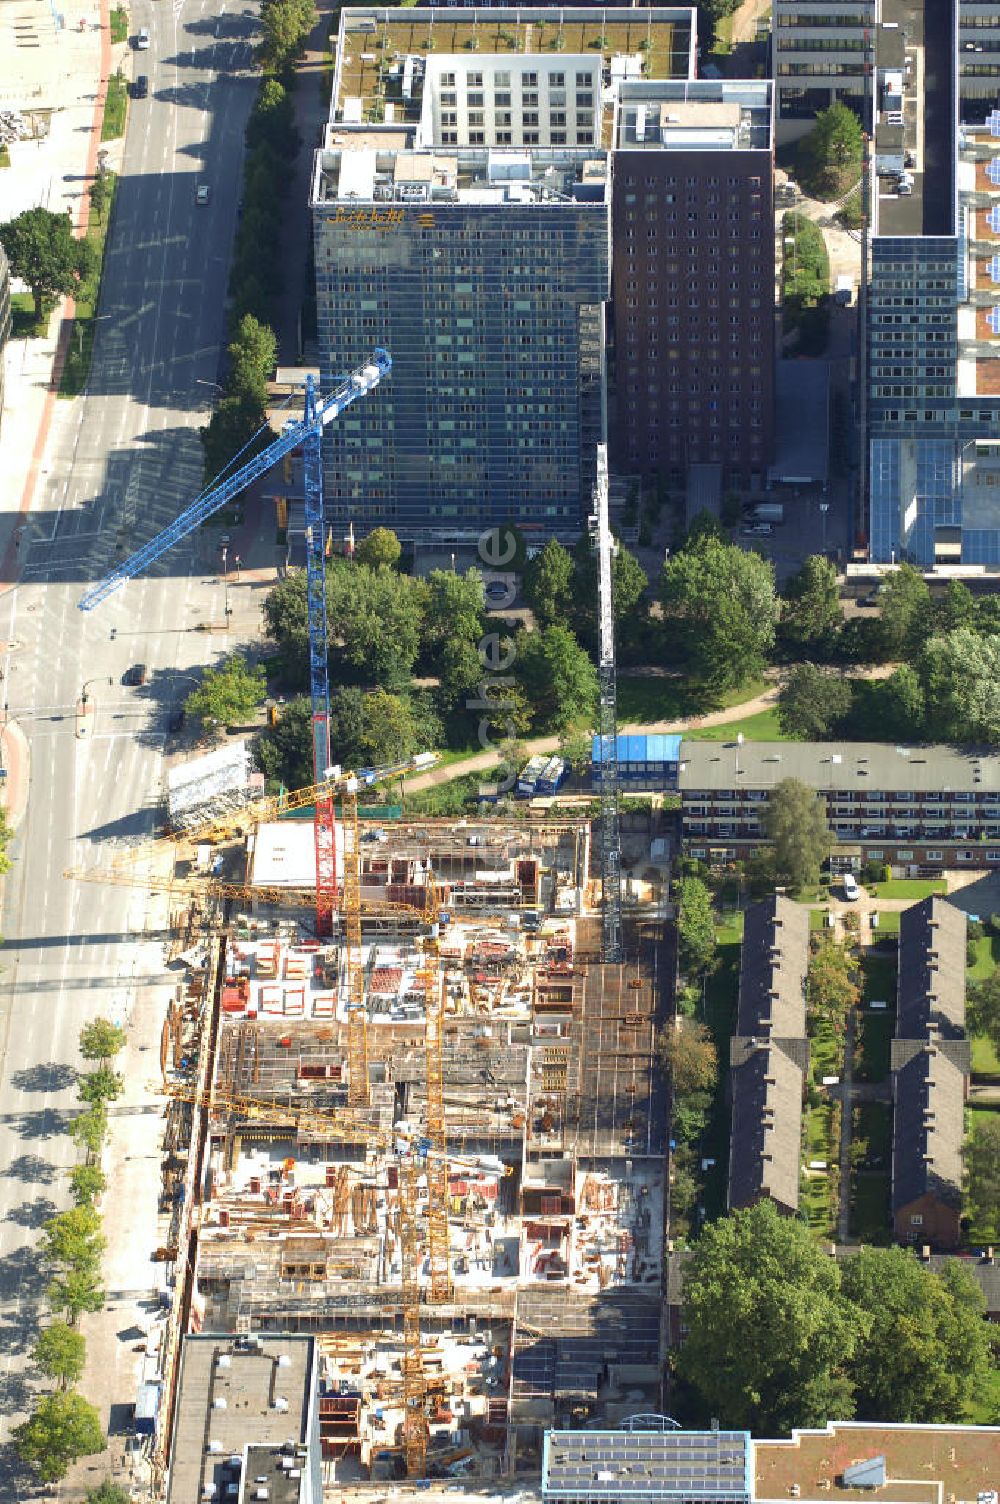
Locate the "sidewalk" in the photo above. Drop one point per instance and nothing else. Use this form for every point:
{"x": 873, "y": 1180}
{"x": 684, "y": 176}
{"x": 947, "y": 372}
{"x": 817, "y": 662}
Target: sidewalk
{"x": 52, "y": 173}
{"x": 15, "y": 758}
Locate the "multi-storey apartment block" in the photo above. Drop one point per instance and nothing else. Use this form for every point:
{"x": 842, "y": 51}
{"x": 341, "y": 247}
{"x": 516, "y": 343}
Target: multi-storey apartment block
{"x": 461, "y": 211}
{"x": 916, "y": 808}
{"x": 693, "y": 279}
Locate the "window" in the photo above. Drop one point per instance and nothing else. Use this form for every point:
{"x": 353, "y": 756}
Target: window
{"x": 933, "y": 856}
{"x": 916, "y": 1219}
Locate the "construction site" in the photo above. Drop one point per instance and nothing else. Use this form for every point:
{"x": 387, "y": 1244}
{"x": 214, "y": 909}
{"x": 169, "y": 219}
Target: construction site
{"x": 436, "y": 1146}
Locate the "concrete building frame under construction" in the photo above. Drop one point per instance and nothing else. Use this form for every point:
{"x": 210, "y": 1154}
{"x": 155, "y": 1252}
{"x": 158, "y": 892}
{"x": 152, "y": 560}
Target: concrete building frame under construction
{"x": 555, "y": 1121}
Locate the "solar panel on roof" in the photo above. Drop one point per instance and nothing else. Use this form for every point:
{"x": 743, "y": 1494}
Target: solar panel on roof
{"x": 993, "y": 170}
{"x": 993, "y": 121}
{"x": 993, "y": 319}
{"x": 994, "y": 269}
{"x": 993, "y": 219}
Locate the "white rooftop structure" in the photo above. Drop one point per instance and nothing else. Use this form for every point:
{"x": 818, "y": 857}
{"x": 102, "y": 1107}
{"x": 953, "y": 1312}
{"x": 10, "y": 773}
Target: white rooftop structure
{"x": 283, "y": 854}
{"x": 218, "y": 780}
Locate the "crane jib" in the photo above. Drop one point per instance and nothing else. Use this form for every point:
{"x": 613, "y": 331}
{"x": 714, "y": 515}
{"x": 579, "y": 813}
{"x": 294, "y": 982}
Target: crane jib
{"x": 357, "y": 384}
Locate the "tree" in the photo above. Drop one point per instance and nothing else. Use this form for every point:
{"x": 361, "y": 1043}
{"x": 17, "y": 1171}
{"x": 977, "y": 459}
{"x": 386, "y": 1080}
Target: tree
{"x": 44, "y": 253}
{"x": 108, "y": 1493}
{"x": 695, "y": 926}
{"x": 833, "y": 149}
{"x": 272, "y": 120}
{"x": 453, "y": 611}
{"x": 811, "y": 613}
{"x": 720, "y": 607}
{"x": 285, "y": 24}
{"x": 86, "y": 1183}
{"x": 982, "y": 1015}
{"x": 73, "y": 1239}
{"x": 901, "y": 705}
{"x": 460, "y": 672}
{"x": 548, "y": 584}
{"x": 832, "y": 985}
{"x": 252, "y": 355}
{"x": 770, "y": 1335}
{"x": 690, "y": 1056}
{"x": 955, "y": 608}
{"x": 557, "y": 676}
{"x": 629, "y": 583}
{"x": 376, "y": 620}
{"x": 76, "y": 1291}
{"x": 101, "y": 1040}
{"x": 62, "y": 1428}
{"x": 236, "y": 428}
{"x": 960, "y": 675}
{"x": 982, "y": 1165}
{"x": 284, "y": 751}
{"x": 381, "y": 549}
{"x": 795, "y": 824}
{"x": 60, "y": 1353}
{"x": 905, "y": 613}
{"x": 88, "y": 1131}
{"x": 100, "y": 193}
{"x": 389, "y": 732}
{"x": 98, "y": 1087}
{"x": 933, "y": 1327}
{"x": 228, "y": 695}
{"x": 6, "y": 836}
{"x": 811, "y": 702}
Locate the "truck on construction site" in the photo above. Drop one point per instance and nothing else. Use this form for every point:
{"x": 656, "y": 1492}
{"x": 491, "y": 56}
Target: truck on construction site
{"x": 768, "y": 511}
{"x": 844, "y": 291}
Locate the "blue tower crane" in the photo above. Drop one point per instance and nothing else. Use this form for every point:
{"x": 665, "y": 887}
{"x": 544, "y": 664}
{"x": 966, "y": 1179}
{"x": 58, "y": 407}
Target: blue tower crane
{"x": 306, "y": 432}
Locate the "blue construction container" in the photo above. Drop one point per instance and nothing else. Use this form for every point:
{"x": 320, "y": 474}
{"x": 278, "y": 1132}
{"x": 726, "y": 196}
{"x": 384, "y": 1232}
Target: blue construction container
{"x": 646, "y": 763}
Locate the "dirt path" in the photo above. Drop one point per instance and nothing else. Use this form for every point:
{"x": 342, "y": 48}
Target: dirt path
{"x": 481, "y": 761}
{"x": 745, "y": 20}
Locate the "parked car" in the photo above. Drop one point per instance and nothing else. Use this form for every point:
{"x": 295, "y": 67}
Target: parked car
{"x": 141, "y": 87}
{"x": 757, "y": 530}
{"x": 851, "y": 890}
{"x": 176, "y": 722}
{"x": 142, "y": 40}
{"x": 202, "y": 193}
{"x": 136, "y": 675}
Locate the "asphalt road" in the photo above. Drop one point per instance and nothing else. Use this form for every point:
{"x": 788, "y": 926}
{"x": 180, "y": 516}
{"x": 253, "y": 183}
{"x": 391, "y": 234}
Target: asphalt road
{"x": 123, "y": 461}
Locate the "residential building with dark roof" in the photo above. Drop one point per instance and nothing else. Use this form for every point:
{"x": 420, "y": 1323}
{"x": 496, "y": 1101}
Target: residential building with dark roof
{"x": 919, "y": 809}
{"x": 930, "y": 1062}
{"x": 769, "y": 1056}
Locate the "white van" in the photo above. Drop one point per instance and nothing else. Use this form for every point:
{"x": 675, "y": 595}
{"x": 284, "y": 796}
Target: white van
{"x": 851, "y": 890}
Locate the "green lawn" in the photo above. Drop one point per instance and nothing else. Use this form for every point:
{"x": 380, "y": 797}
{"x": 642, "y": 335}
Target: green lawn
{"x": 905, "y": 887}
{"x": 985, "y": 1061}
{"x": 115, "y": 105}
{"x": 985, "y": 1408}
{"x": 81, "y": 345}
{"x": 872, "y": 1043}
{"x": 870, "y": 1207}
{"x": 822, "y": 1141}
{"x": 23, "y": 324}
{"x": 720, "y": 1017}
{"x": 646, "y": 699}
{"x": 987, "y": 950}
{"x": 119, "y": 25}
{"x": 762, "y": 727}
{"x": 878, "y": 980}
{"x": 888, "y": 922}
{"x": 817, "y": 918}
{"x": 873, "y": 1122}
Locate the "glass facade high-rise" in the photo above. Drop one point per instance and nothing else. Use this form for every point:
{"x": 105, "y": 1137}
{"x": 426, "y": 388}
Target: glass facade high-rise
{"x": 933, "y": 314}
{"x": 461, "y": 209}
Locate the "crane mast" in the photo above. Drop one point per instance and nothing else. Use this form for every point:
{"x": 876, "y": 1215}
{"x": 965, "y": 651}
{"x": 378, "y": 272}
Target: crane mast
{"x": 306, "y": 432}
{"x": 611, "y": 854}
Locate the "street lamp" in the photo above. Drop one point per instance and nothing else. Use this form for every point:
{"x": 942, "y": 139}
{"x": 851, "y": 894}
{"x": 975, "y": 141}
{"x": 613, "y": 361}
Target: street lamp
{"x": 83, "y": 693}
{"x": 824, "y": 507}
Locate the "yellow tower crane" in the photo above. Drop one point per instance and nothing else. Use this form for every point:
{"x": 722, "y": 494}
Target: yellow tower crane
{"x": 342, "y": 785}
{"x": 409, "y": 1152}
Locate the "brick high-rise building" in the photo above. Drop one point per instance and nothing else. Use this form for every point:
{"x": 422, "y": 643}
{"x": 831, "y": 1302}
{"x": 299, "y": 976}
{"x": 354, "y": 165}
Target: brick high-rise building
{"x": 693, "y": 280}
